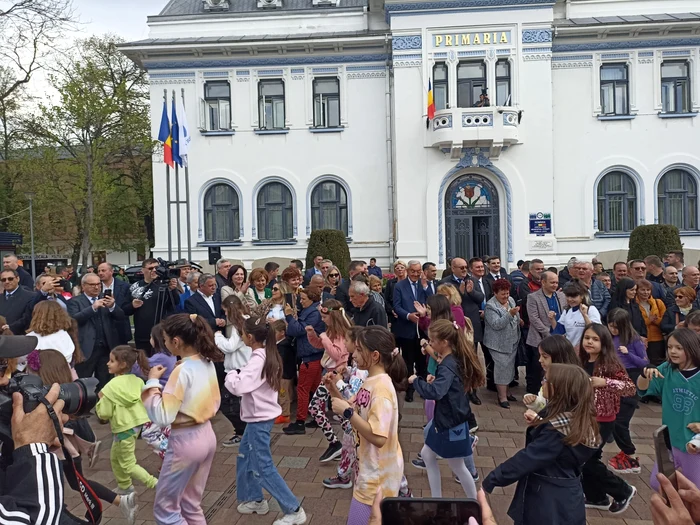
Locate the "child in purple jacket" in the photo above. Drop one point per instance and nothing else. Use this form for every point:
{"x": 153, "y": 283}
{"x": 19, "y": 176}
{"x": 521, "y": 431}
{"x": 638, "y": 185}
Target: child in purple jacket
{"x": 631, "y": 350}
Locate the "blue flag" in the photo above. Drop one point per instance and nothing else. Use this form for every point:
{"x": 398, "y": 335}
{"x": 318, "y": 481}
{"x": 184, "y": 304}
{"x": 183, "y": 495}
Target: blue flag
{"x": 175, "y": 131}
{"x": 164, "y": 131}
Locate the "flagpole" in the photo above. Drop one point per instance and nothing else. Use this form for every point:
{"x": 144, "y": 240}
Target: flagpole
{"x": 167, "y": 196}
{"x": 177, "y": 194}
{"x": 187, "y": 195}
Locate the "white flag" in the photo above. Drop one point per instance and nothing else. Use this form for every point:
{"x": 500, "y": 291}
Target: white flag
{"x": 184, "y": 134}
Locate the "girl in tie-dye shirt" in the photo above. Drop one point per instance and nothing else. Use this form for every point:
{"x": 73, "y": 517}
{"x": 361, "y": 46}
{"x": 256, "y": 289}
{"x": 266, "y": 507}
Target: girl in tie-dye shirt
{"x": 189, "y": 400}
{"x": 374, "y": 416}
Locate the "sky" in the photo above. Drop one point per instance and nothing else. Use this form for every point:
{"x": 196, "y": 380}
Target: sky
{"x": 126, "y": 18}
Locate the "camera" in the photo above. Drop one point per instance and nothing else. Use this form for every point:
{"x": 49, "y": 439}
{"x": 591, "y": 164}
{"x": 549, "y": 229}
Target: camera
{"x": 167, "y": 270}
{"x": 79, "y": 397}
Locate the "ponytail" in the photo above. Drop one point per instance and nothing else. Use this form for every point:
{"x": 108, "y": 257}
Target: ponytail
{"x": 379, "y": 339}
{"x": 261, "y": 332}
{"x": 131, "y": 356}
{"x": 193, "y": 331}
{"x": 472, "y": 373}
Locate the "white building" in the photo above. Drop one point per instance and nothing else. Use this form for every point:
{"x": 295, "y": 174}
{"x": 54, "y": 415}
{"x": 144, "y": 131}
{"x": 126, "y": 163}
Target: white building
{"x": 313, "y": 114}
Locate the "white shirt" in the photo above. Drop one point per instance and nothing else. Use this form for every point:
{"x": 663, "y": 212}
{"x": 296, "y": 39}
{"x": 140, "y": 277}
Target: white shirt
{"x": 236, "y": 352}
{"x": 574, "y": 324}
{"x": 110, "y": 287}
{"x": 60, "y": 341}
{"x": 481, "y": 286}
{"x": 210, "y": 302}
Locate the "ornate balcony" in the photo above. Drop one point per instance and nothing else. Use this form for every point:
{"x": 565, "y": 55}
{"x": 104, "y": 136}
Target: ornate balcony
{"x": 454, "y": 129}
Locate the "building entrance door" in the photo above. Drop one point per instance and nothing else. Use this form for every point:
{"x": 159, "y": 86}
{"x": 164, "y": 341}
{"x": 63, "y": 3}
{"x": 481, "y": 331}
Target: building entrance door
{"x": 472, "y": 218}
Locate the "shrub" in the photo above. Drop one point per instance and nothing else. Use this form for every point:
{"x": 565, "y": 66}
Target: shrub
{"x": 331, "y": 244}
{"x": 653, "y": 239}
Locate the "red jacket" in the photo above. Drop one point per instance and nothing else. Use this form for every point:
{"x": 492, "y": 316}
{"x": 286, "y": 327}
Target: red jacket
{"x": 607, "y": 399}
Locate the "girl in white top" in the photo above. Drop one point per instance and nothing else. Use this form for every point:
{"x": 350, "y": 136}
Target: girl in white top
{"x": 578, "y": 314}
{"x": 237, "y": 354}
{"x": 50, "y": 325}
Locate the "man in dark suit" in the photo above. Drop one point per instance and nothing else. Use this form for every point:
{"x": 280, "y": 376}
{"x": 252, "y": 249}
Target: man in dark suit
{"x": 99, "y": 318}
{"x": 122, "y": 296}
{"x": 314, "y": 270}
{"x": 10, "y": 262}
{"x": 471, "y": 297}
{"x": 206, "y": 303}
{"x": 429, "y": 282}
{"x": 342, "y": 293}
{"x": 495, "y": 270}
{"x": 406, "y": 293}
{"x": 16, "y": 303}
{"x": 49, "y": 288}
{"x": 478, "y": 271}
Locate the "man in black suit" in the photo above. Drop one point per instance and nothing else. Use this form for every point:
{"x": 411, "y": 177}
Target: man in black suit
{"x": 48, "y": 288}
{"x": 342, "y": 293}
{"x": 429, "y": 282}
{"x": 16, "y": 303}
{"x": 10, "y": 262}
{"x": 495, "y": 270}
{"x": 122, "y": 295}
{"x": 206, "y": 303}
{"x": 314, "y": 270}
{"x": 99, "y": 318}
{"x": 478, "y": 271}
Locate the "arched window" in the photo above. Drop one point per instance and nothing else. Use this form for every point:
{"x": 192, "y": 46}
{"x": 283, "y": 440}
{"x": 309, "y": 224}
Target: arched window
{"x": 329, "y": 207}
{"x": 221, "y": 214}
{"x": 617, "y": 203}
{"x": 678, "y": 200}
{"x": 275, "y": 212}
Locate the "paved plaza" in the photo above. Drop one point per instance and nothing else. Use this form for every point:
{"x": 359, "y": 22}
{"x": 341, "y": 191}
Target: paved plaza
{"x": 501, "y": 434}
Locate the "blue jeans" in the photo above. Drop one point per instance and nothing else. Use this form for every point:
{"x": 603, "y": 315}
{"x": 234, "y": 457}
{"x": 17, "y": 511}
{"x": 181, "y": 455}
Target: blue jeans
{"x": 468, "y": 461}
{"x": 256, "y": 471}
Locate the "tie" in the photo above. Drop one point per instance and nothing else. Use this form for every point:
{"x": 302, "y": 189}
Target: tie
{"x": 415, "y": 289}
{"x": 8, "y": 296}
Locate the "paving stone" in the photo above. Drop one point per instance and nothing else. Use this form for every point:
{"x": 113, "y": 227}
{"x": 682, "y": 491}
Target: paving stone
{"x": 294, "y": 462}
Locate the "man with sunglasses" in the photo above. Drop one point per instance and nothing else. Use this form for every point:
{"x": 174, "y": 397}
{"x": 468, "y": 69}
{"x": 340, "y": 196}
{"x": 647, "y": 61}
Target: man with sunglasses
{"x": 16, "y": 303}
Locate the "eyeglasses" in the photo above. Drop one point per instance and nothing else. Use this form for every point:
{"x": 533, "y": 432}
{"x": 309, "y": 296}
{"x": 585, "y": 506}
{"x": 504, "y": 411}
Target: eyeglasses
{"x": 461, "y": 267}
{"x": 275, "y": 289}
{"x": 92, "y": 284}
{"x": 7, "y": 279}
{"x": 680, "y": 296}
{"x": 333, "y": 275}
{"x": 151, "y": 268}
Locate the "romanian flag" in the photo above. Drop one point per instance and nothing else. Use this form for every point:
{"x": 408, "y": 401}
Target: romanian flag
{"x": 165, "y": 136}
{"x": 431, "y": 101}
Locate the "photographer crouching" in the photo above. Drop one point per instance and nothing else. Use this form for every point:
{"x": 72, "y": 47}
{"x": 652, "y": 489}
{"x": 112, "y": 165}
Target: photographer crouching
{"x": 31, "y": 422}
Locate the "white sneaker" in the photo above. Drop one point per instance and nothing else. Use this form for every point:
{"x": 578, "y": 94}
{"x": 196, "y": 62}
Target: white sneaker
{"x": 295, "y": 518}
{"x": 129, "y": 508}
{"x": 123, "y": 492}
{"x": 254, "y": 507}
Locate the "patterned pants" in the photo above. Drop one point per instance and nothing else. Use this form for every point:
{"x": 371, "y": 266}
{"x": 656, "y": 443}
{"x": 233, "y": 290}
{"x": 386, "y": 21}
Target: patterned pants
{"x": 318, "y": 407}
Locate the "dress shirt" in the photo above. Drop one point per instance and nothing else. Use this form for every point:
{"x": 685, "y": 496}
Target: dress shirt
{"x": 10, "y": 294}
{"x": 210, "y": 302}
{"x": 93, "y": 299}
{"x": 110, "y": 287}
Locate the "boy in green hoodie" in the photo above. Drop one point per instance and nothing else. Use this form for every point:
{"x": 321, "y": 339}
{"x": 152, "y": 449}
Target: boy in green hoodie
{"x": 120, "y": 404}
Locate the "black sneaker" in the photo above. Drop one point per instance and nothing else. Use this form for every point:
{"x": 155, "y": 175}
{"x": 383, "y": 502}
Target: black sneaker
{"x": 296, "y": 428}
{"x": 475, "y": 477}
{"x": 312, "y": 424}
{"x": 598, "y": 505}
{"x": 618, "y": 507}
{"x": 409, "y": 397}
{"x": 333, "y": 451}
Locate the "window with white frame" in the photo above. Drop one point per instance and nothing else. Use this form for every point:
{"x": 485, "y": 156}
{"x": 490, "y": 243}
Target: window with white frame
{"x": 678, "y": 200}
{"x": 326, "y": 102}
{"x": 271, "y": 104}
{"x": 215, "y": 111}
{"x": 675, "y": 86}
{"x": 503, "y": 76}
{"x": 329, "y": 207}
{"x": 275, "y": 212}
{"x": 221, "y": 214}
{"x": 441, "y": 89}
{"x": 471, "y": 83}
{"x": 614, "y": 89}
{"x": 617, "y": 203}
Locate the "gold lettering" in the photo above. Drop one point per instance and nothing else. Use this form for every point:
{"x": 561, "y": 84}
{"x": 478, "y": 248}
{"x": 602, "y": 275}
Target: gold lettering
{"x": 495, "y": 40}
{"x": 504, "y": 38}
{"x": 448, "y": 40}
{"x": 487, "y": 38}
{"x": 466, "y": 40}
{"x": 438, "y": 40}
{"x": 477, "y": 40}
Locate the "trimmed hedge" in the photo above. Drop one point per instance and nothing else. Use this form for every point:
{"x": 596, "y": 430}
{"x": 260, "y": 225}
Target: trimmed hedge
{"x": 331, "y": 244}
{"x": 653, "y": 239}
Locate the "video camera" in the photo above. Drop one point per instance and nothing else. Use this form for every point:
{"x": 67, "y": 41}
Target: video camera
{"x": 171, "y": 269}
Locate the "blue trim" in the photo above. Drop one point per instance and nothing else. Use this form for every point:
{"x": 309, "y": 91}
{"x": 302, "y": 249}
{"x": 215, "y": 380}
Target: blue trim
{"x": 625, "y": 44}
{"x": 482, "y": 6}
{"x": 463, "y": 166}
{"x": 603, "y": 235}
{"x": 287, "y": 61}
{"x": 350, "y": 69}
{"x": 298, "y": 71}
{"x": 215, "y": 74}
{"x": 223, "y": 243}
{"x": 567, "y": 58}
{"x": 217, "y": 133}
{"x": 643, "y": 54}
{"x": 447, "y": 4}
{"x": 676, "y": 53}
{"x": 241, "y": 73}
{"x": 274, "y": 243}
{"x": 323, "y": 70}
{"x": 399, "y": 43}
{"x": 327, "y": 130}
{"x": 678, "y": 115}
{"x": 270, "y": 72}
{"x": 271, "y": 131}
{"x": 536, "y": 36}
{"x": 614, "y": 56}
{"x": 172, "y": 75}
{"x": 616, "y": 117}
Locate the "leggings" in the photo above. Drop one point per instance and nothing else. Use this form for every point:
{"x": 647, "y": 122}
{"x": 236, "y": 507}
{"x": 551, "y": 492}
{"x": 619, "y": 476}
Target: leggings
{"x": 101, "y": 491}
{"x": 318, "y": 407}
{"x": 689, "y": 464}
{"x": 458, "y": 467}
{"x": 359, "y": 513}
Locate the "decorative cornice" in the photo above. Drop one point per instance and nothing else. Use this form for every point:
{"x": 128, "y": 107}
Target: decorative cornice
{"x": 442, "y": 122}
{"x": 172, "y": 81}
{"x": 196, "y": 63}
{"x": 408, "y": 63}
{"x": 536, "y": 36}
{"x": 572, "y": 61}
{"x": 614, "y": 56}
{"x": 180, "y": 74}
{"x": 537, "y": 56}
{"x": 645, "y": 61}
{"x": 366, "y": 74}
{"x": 626, "y": 44}
{"x": 455, "y": 4}
{"x": 400, "y": 43}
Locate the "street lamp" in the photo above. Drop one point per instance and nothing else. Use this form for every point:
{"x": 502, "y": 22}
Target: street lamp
{"x": 30, "y": 195}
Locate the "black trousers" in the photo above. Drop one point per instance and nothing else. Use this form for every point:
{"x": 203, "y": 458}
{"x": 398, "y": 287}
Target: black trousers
{"x": 410, "y": 350}
{"x": 533, "y": 370}
{"x": 101, "y": 491}
{"x": 656, "y": 351}
{"x": 598, "y": 481}
{"x": 231, "y": 408}
{"x": 96, "y": 365}
{"x": 622, "y": 425}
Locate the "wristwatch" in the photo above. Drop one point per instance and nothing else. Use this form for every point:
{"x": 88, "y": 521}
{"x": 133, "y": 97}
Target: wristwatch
{"x": 347, "y": 413}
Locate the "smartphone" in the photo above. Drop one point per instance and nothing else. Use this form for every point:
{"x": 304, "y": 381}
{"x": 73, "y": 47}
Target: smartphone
{"x": 664, "y": 455}
{"x": 430, "y": 511}
{"x": 289, "y": 299}
{"x": 108, "y": 293}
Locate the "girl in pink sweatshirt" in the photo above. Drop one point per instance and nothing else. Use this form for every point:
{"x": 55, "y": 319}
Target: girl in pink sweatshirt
{"x": 257, "y": 384}
{"x": 335, "y": 359}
